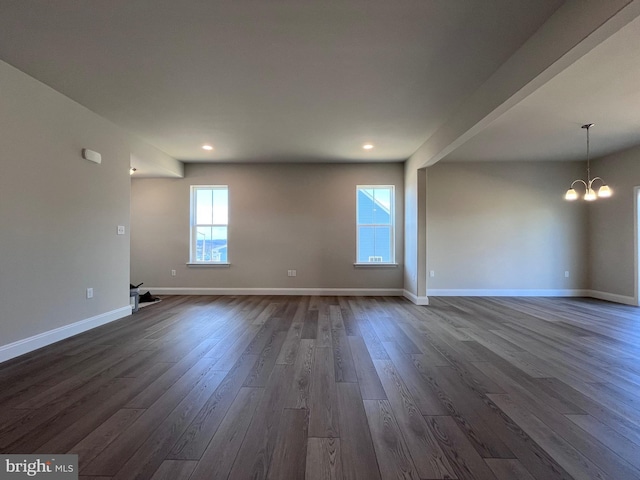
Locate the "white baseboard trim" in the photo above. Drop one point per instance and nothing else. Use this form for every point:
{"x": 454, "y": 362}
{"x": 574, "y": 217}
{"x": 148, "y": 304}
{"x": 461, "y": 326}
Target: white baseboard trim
{"x": 43, "y": 339}
{"x": 415, "y": 298}
{"x": 612, "y": 297}
{"x": 338, "y": 292}
{"x": 482, "y": 292}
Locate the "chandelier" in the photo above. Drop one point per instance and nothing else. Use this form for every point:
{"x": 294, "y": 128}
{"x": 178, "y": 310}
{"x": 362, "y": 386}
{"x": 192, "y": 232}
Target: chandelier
{"x": 590, "y": 194}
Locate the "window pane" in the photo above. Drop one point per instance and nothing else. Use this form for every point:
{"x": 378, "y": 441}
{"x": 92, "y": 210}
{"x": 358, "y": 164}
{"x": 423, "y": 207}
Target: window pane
{"x": 382, "y": 243}
{"x": 212, "y": 206}
{"x": 210, "y": 216}
{"x": 211, "y": 244}
{"x": 374, "y": 244}
{"x": 204, "y": 206}
{"x": 382, "y": 206}
{"x": 374, "y": 206}
{"x": 365, "y": 206}
{"x": 220, "y": 206}
{"x": 366, "y": 243}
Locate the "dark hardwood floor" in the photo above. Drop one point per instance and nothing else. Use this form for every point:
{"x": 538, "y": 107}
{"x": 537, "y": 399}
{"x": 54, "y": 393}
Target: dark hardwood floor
{"x": 365, "y": 388}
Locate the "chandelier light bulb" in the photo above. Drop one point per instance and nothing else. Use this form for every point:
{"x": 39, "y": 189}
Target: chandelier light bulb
{"x": 604, "y": 192}
{"x": 571, "y": 195}
{"x": 590, "y": 196}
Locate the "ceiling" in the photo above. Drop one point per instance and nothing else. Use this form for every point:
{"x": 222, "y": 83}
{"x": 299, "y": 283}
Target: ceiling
{"x": 293, "y": 80}
{"x": 602, "y": 87}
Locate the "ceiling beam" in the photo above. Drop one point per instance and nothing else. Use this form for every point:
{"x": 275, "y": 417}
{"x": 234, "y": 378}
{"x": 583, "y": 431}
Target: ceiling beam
{"x": 151, "y": 162}
{"x": 572, "y": 31}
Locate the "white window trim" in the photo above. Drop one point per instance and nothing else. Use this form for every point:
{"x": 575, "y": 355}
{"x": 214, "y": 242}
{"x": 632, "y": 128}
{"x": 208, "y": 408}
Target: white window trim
{"x": 193, "y": 228}
{"x": 392, "y": 214}
{"x": 376, "y": 265}
{"x": 208, "y": 264}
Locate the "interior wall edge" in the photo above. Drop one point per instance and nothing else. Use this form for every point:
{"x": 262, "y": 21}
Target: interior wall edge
{"x": 416, "y": 299}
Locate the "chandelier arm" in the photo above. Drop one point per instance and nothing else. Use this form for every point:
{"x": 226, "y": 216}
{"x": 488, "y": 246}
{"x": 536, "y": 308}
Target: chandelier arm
{"x": 587, "y": 187}
{"x": 596, "y": 178}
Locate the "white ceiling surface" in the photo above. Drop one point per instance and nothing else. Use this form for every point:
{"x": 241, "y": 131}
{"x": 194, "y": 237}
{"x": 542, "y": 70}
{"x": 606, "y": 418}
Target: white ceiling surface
{"x": 603, "y": 88}
{"x": 271, "y": 81}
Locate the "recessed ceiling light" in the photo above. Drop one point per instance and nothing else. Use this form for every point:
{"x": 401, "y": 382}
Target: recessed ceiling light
{"x": 207, "y": 147}
{"x": 367, "y": 146}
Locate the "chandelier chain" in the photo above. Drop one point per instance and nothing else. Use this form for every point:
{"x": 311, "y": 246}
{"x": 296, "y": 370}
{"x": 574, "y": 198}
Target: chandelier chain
{"x": 588, "y": 158}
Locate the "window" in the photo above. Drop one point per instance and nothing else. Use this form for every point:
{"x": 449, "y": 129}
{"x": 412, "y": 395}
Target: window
{"x": 209, "y": 223}
{"x": 375, "y": 224}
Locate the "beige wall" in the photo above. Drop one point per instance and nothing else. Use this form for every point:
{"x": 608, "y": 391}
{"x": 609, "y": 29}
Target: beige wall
{"x": 611, "y": 226}
{"x": 58, "y": 212}
{"x": 504, "y": 226}
{"x": 281, "y": 217}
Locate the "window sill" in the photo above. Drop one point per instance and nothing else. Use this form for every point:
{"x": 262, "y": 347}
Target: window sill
{"x": 210, "y": 264}
{"x": 375, "y": 265}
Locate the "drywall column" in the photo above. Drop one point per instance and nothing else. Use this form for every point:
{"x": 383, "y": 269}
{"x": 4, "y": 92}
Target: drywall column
{"x": 422, "y": 237}
{"x": 415, "y": 260}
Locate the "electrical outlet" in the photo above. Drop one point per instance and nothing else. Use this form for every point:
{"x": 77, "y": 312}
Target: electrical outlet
{"x": 566, "y": 274}
{"x": 120, "y": 229}
{"x": 89, "y": 292}
{"x": 291, "y": 273}
{"x": 173, "y": 273}
{"x": 432, "y": 273}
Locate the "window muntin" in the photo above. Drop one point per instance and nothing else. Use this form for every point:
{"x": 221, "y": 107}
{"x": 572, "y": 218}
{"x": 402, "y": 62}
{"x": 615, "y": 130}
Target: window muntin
{"x": 209, "y": 223}
{"x": 375, "y": 224}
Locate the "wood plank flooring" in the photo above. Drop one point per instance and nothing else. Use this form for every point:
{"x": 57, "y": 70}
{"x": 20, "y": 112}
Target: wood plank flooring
{"x": 237, "y": 387}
